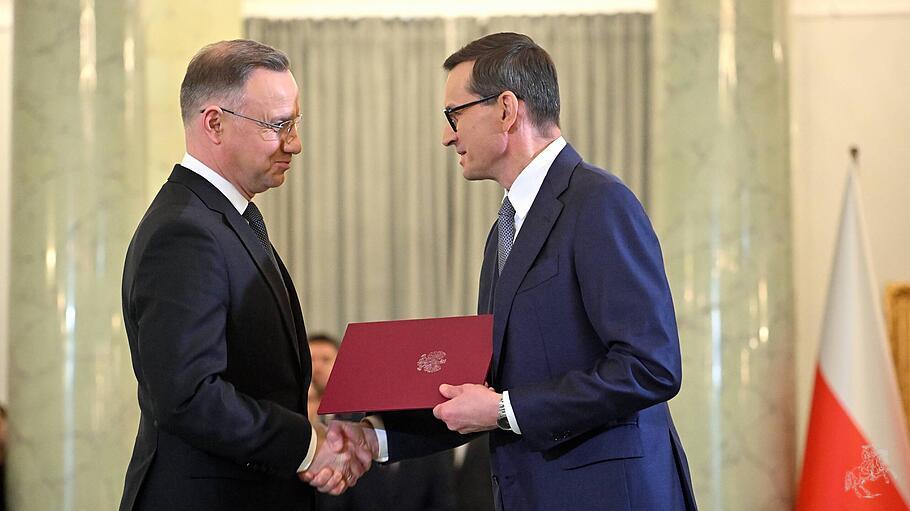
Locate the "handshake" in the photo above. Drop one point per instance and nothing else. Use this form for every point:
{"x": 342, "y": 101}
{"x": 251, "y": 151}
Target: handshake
{"x": 344, "y": 452}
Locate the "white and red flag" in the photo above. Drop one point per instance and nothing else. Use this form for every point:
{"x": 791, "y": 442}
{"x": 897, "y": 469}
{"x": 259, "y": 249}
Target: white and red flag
{"x": 857, "y": 450}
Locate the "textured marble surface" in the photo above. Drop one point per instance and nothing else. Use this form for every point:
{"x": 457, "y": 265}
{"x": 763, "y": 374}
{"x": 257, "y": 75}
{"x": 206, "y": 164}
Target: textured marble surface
{"x": 75, "y": 183}
{"x": 721, "y": 207}
{"x": 93, "y": 83}
{"x": 96, "y": 130}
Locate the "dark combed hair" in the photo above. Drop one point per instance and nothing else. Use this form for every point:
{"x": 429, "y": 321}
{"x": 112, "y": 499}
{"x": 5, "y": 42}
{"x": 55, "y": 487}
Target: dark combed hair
{"x": 220, "y": 71}
{"x": 514, "y": 62}
{"x": 323, "y": 337}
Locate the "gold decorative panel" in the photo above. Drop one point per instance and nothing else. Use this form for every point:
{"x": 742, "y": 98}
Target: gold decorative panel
{"x": 897, "y": 310}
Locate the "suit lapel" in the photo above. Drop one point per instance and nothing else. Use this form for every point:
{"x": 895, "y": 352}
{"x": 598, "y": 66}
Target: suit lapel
{"x": 488, "y": 273}
{"x": 216, "y": 201}
{"x": 531, "y": 238}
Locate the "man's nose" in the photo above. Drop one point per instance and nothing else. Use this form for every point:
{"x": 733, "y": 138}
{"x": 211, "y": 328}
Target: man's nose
{"x": 449, "y": 136}
{"x": 292, "y": 144}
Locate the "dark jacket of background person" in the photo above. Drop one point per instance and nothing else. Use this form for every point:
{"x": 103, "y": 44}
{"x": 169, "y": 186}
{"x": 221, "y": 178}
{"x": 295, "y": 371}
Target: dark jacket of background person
{"x": 473, "y": 485}
{"x": 420, "y": 484}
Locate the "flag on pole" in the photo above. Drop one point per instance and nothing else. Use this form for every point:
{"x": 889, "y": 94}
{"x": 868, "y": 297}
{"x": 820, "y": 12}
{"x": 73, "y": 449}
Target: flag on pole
{"x": 857, "y": 451}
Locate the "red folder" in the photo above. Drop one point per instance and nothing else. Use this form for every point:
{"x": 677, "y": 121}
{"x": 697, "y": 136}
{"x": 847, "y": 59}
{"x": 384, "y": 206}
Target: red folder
{"x": 399, "y": 365}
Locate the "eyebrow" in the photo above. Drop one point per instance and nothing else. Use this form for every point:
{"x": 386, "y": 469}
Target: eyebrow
{"x": 282, "y": 118}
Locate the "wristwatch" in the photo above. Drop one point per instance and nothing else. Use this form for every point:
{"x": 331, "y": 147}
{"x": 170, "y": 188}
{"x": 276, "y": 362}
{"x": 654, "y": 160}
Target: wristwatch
{"x": 503, "y": 419}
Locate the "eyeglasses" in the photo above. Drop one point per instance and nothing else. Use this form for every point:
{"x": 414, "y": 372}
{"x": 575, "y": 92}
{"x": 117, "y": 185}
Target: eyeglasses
{"x": 448, "y": 111}
{"x": 272, "y": 131}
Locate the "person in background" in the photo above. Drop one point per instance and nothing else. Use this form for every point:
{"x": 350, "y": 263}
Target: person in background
{"x": 323, "y": 350}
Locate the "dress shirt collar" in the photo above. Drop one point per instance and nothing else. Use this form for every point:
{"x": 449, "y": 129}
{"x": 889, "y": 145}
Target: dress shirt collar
{"x": 527, "y": 184}
{"x": 218, "y": 181}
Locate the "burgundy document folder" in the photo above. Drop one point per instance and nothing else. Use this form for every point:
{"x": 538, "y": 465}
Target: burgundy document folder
{"x": 399, "y": 365}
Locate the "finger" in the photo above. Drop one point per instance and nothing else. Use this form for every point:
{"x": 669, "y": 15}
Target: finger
{"x": 438, "y": 410}
{"x": 450, "y": 391}
{"x": 322, "y": 478}
{"x": 334, "y": 437}
{"x": 364, "y": 457}
{"x": 333, "y": 483}
{"x": 358, "y": 468}
{"x": 305, "y": 476}
{"x": 338, "y": 489}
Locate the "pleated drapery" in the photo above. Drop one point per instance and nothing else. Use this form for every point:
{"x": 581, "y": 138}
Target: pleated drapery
{"x": 375, "y": 220}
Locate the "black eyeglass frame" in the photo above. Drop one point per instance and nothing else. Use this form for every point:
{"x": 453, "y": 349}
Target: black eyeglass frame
{"x": 278, "y": 128}
{"x": 448, "y": 111}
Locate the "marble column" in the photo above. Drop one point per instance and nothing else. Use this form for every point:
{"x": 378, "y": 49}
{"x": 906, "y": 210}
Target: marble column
{"x": 721, "y": 204}
{"x": 95, "y": 87}
{"x": 77, "y": 112}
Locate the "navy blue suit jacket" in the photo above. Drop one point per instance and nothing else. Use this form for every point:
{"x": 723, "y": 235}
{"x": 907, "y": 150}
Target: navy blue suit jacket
{"x": 585, "y": 341}
{"x": 219, "y": 349}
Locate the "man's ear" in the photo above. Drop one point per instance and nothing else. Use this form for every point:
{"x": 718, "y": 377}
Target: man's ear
{"x": 509, "y": 102}
{"x": 212, "y": 125}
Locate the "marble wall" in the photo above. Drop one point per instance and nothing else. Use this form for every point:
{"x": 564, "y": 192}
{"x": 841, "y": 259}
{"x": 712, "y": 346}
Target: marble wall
{"x": 6, "y": 67}
{"x": 721, "y": 205}
{"x": 73, "y": 210}
{"x": 84, "y": 84}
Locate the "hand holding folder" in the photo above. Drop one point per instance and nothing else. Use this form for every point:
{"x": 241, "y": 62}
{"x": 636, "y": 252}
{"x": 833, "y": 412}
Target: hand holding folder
{"x": 399, "y": 365}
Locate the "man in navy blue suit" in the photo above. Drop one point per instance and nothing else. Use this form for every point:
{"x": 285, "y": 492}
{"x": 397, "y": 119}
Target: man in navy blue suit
{"x": 585, "y": 345}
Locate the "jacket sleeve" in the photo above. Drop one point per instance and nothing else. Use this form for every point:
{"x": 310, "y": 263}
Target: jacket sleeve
{"x": 414, "y": 434}
{"x": 626, "y": 299}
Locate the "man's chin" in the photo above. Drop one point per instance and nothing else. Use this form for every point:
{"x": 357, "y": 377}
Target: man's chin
{"x": 276, "y": 180}
{"x": 473, "y": 175}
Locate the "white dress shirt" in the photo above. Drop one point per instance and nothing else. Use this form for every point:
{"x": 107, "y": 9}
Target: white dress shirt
{"x": 521, "y": 195}
{"x": 240, "y": 203}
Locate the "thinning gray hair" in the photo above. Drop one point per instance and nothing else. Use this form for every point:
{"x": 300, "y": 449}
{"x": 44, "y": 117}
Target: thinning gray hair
{"x": 220, "y": 71}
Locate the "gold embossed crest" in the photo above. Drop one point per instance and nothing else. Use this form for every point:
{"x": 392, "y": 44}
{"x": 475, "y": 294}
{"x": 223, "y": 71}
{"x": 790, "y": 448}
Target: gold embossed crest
{"x": 431, "y": 362}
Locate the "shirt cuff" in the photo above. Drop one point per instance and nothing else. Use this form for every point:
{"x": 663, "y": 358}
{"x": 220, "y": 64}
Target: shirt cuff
{"x": 382, "y": 439}
{"x": 310, "y": 453}
{"x": 513, "y": 421}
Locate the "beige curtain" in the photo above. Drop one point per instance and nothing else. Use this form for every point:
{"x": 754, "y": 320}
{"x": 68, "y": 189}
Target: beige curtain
{"x": 375, "y": 220}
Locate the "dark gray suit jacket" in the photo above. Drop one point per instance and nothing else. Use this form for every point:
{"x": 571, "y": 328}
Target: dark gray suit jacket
{"x": 219, "y": 350}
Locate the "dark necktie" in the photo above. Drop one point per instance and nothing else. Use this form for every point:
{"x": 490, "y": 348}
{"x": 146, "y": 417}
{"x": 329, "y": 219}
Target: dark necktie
{"x": 257, "y": 223}
{"x": 506, "y": 225}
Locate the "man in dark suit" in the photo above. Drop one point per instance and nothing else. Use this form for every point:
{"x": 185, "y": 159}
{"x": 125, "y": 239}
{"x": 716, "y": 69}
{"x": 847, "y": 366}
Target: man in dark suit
{"x": 585, "y": 346}
{"x": 216, "y": 335}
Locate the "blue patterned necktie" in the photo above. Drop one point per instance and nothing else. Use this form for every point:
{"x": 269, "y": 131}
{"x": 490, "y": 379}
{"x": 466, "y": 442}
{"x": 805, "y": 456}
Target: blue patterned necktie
{"x": 506, "y": 225}
{"x": 257, "y": 223}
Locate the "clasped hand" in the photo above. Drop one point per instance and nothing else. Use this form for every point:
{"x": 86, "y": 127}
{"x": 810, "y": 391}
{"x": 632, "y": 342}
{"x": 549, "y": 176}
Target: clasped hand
{"x": 343, "y": 454}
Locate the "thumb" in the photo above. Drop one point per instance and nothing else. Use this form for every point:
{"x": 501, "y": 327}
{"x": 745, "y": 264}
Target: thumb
{"x": 334, "y": 440}
{"x": 450, "y": 391}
